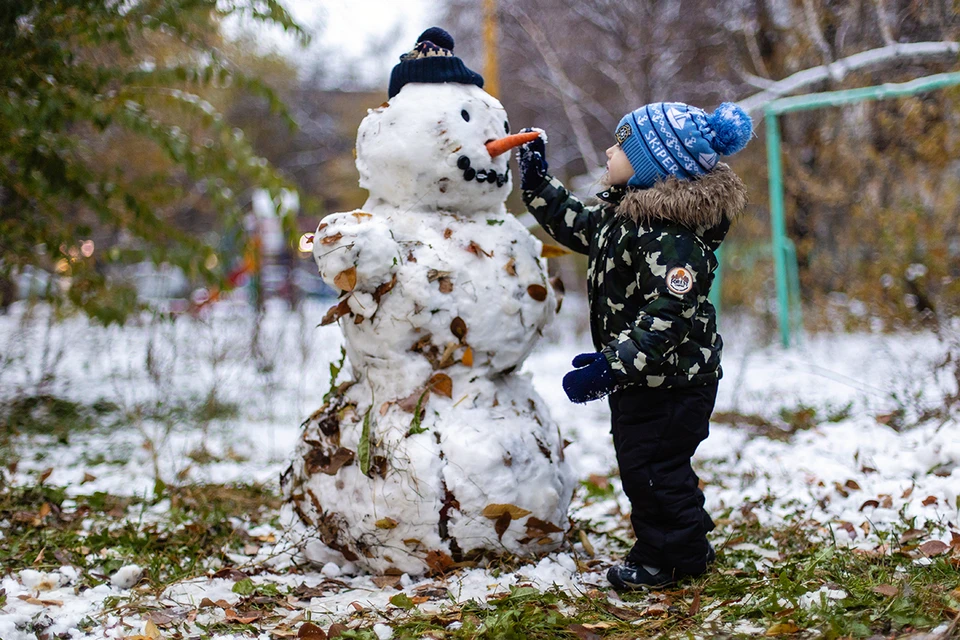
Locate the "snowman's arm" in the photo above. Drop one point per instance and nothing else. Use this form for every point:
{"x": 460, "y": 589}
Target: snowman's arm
{"x": 563, "y": 215}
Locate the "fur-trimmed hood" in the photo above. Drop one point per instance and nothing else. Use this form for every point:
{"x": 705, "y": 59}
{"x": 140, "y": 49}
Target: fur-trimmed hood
{"x": 706, "y": 205}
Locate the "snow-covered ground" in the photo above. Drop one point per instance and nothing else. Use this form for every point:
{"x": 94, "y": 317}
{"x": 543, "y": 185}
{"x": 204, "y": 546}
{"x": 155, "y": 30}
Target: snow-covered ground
{"x": 852, "y": 471}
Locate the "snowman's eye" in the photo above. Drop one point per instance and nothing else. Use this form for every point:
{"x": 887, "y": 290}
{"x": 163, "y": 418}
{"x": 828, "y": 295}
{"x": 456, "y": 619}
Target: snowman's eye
{"x": 506, "y": 126}
{"x": 465, "y": 115}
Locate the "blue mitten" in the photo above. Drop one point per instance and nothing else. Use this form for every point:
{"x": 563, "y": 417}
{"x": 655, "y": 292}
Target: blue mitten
{"x": 592, "y": 378}
{"x": 532, "y": 158}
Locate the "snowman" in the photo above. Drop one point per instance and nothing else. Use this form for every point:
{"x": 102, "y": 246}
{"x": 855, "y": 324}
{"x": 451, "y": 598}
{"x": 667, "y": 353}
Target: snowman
{"x": 436, "y": 452}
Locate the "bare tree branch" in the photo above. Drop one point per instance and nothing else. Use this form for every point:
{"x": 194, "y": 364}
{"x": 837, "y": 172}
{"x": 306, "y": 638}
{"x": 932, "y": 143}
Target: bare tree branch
{"x": 884, "y": 21}
{"x": 566, "y": 88}
{"x": 856, "y": 62}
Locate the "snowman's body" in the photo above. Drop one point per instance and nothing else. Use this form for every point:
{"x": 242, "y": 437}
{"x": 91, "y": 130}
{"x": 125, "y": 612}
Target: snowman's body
{"x": 437, "y": 452}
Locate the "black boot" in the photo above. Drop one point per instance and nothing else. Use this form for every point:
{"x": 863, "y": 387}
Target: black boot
{"x": 628, "y": 576}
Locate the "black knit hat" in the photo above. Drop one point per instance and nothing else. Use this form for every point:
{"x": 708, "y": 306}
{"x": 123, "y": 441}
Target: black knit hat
{"x": 432, "y": 60}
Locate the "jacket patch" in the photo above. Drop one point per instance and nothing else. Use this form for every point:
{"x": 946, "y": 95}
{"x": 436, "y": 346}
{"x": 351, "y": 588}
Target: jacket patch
{"x": 679, "y": 281}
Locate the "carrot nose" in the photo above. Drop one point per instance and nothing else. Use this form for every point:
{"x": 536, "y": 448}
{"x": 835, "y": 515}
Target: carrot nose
{"x": 504, "y": 144}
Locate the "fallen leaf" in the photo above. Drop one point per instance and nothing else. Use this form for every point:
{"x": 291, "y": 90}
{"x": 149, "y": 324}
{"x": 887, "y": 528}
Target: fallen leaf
{"x": 558, "y": 290}
{"x": 446, "y": 285}
{"x": 494, "y": 511}
{"x": 934, "y": 548}
{"x": 627, "y": 615}
{"x": 409, "y": 404}
{"x": 384, "y": 289}
{"x": 929, "y": 500}
{"x": 386, "y": 581}
{"x": 439, "y": 561}
{"x": 538, "y": 292}
{"x": 852, "y": 485}
{"x": 346, "y": 280}
{"x": 447, "y": 233}
{"x": 360, "y": 215}
{"x": 582, "y": 632}
{"x": 782, "y": 629}
{"x": 446, "y": 359}
{"x": 43, "y": 603}
{"x": 458, "y": 328}
{"x": 870, "y": 503}
{"x": 907, "y": 493}
{"x": 477, "y": 250}
{"x": 335, "y": 312}
{"x": 336, "y": 630}
{"x": 442, "y": 384}
{"x": 536, "y": 524}
{"x": 88, "y": 477}
{"x": 467, "y": 358}
{"x": 310, "y": 631}
{"x": 207, "y": 602}
{"x": 150, "y": 630}
{"x": 45, "y": 474}
{"x": 434, "y": 274}
{"x": 554, "y": 251}
{"x": 886, "y": 590}
{"x": 331, "y": 239}
{"x": 230, "y": 574}
{"x": 886, "y": 501}
{"x": 511, "y": 266}
{"x": 695, "y": 605}
{"x": 502, "y": 524}
{"x": 245, "y": 617}
{"x": 911, "y": 534}
{"x": 385, "y": 523}
{"x": 587, "y": 546}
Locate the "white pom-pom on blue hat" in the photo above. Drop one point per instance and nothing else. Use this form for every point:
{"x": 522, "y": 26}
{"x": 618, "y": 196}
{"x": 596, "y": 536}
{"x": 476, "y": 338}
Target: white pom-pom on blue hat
{"x": 733, "y": 127}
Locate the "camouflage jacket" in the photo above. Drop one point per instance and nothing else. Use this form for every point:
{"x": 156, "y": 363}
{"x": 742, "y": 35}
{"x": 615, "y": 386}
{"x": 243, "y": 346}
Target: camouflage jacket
{"x": 651, "y": 264}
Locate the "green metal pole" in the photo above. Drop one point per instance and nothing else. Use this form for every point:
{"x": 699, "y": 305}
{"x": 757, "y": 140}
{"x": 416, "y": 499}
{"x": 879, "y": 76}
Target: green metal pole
{"x": 717, "y": 282}
{"x": 778, "y": 225}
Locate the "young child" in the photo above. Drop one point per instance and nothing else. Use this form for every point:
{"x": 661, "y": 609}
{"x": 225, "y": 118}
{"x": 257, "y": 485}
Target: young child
{"x": 651, "y": 244}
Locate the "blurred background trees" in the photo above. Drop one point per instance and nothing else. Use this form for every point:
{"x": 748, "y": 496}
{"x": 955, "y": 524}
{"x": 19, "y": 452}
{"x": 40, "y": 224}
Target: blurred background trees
{"x": 139, "y": 132}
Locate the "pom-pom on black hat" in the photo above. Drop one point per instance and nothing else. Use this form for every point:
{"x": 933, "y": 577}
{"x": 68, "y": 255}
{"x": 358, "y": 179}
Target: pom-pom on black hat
{"x": 432, "y": 60}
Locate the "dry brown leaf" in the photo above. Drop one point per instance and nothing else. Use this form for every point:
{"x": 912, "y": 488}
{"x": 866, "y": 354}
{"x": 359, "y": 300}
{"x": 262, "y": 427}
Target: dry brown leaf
{"x": 43, "y": 603}
{"x": 467, "y": 358}
{"x": 587, "y": 546}
{"x": 346, "y": 280}
{"x": 310, "y": 631}
{"x": 695, "y": 605}
{"x": 361, "y": 215}
{"x": 907, "y": 493}
{"x": 554, "y": 251}
{"x": 502, "y": 524}
{"x": 458, "y": 328}
{"x": 336, "y": 630}
{"x": 929, "y": 500}
{"x": 331, "y": 239}
{"x": 852, "y": 485}
{"x": 150, "y": 630}
{"x": 245, "y": 617}
{"x": 478, "y": 251}
{"x": 386, "y": 581}
{"x": 538, "y": 292}
{"x": 494, "y": 511}
{"x": 46, "y": 474}
{"x": 88, "y": 477}
{"x": 628, "y": 615}
{"x": 384, "y": 289}
{"x": 911, "y": 534}
{"x": 536, "y": 524}
{"x": 409, "y": 404}
{"x": 558, "y": 290}
{"x": 335, "y": 312}
{"x": 870, "y": 503}
{"x": 385, "y": 523}
{"x": 446, "y": 285}
{"x": 886, "y": 590}
{"x": 511, "y": 266}
{"x": 439, "y": 562}
{"x": 886, "y": 501}
{"x": 934, "y": 548}
{"x": 442, "y": 384}
{"x": 582, "y": 632}
{"x": 447, "y": 233}
{"x": 782, "y": 629}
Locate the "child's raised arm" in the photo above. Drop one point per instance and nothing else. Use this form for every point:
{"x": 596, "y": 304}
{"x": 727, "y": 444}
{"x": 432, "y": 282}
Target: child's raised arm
{"x": 558, "y": 211}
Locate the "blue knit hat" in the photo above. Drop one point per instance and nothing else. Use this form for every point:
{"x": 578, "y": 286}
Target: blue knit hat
{"x": 665, "y": 139}
{"x": 432, "y": 60}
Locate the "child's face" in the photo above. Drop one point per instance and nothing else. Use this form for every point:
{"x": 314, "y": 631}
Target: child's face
{"x": 619, "y": 169}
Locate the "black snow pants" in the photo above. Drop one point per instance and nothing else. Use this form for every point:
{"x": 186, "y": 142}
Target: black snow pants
{"x": 655, "y": 433}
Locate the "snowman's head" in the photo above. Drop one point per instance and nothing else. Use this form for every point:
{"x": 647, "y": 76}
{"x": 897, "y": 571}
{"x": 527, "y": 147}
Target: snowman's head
{"x": 437, "y": 146}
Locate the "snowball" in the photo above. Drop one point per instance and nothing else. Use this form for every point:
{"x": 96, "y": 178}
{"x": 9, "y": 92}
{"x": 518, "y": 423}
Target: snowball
{"x": 39, "y": 581}
{"x": 383, "y": 631}
{"x": 126, "y": 577}
{"x": 330, "y": 570}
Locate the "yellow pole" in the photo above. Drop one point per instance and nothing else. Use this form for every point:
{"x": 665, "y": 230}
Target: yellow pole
{"x": 490, "y": 66}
